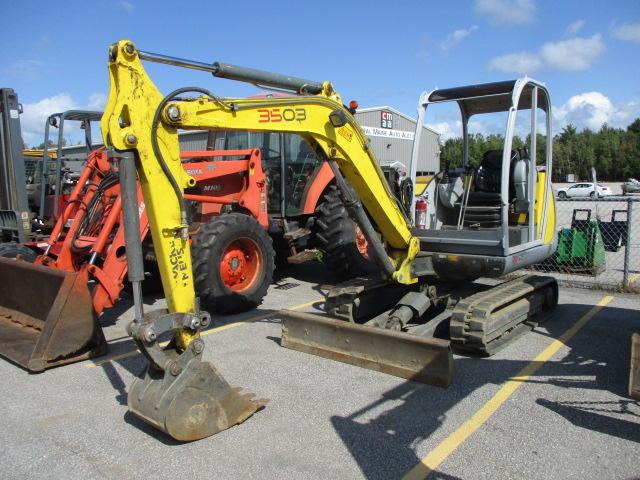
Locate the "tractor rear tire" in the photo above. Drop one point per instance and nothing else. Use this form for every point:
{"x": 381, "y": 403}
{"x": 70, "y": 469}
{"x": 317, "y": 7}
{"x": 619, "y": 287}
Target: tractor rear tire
{"x": 336, "y": 236}
{"x": 233, "y": 263}
{"x": 12, "y": 250}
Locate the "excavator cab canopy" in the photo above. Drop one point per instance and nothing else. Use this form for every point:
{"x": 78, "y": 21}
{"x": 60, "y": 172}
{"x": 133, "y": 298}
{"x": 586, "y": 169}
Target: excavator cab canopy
{"x": 488, "y": 97}
{"x": 496, "y": 214}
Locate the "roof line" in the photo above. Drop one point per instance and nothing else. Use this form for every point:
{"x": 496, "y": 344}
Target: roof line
{"x": 397, "y": 112}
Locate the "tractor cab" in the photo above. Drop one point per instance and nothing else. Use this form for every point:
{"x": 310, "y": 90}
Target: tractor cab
{"x": 492, "y": 213}
{"x": 290, "y": 164}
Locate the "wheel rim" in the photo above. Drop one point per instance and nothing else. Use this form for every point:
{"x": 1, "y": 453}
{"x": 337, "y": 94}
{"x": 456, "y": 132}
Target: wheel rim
{"x": 241, "y": 264}
{"x": 362, "y": 244}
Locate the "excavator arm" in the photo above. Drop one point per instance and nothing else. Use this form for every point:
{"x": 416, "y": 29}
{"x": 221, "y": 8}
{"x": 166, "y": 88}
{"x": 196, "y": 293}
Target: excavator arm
{"x": 178, "y": 392}
{"x": 320, "y": 118}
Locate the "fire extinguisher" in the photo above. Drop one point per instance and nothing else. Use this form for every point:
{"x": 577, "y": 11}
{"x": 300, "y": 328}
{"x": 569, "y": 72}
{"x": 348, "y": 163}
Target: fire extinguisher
{"x": 421, "y": 213}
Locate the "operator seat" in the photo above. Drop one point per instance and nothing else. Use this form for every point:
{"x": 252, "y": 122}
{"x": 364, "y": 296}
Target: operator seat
{"x": 484, "y": 204}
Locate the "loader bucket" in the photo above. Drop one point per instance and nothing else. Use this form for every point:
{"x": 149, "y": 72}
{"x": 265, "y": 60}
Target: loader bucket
{"x": 46, "y": 316}
{"x": 191, "y": 403}
{"x": 421, "y": 359}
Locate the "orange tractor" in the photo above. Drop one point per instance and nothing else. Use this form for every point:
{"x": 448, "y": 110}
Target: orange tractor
{"x": 49, "y": 309}
{"x": 254, "y": 192}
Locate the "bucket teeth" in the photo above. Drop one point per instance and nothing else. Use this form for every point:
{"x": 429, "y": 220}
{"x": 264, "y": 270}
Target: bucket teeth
{"x": 195, "y": 404}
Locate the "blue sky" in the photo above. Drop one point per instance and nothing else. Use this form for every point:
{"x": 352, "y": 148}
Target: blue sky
{"x": 380, "y": 53}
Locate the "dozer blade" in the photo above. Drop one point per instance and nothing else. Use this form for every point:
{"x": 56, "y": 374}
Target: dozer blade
{"x": 190, "y": 404}
{"x": 634, "y": 374}
{"x": 46, "y": 316}
{"x": 421, "y": 359}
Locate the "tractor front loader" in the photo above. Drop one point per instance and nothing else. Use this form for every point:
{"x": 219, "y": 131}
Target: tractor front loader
{"x": 50, "y": 309}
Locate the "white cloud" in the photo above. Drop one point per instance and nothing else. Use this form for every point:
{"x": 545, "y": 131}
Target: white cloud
{"x": 35, "y": 114}
{"x": 519, "y": 63}
{"x": 456, "y": 37}
{"x": 447, "y": 130}
{"x": 43, "y": 42}
{"x": 507, "y": 12}
{"x": 574, "y": 54}
{"x": 128, "y": 6}
{"x": 628, "y": 33}
{"x": 97, "y": 101}
{"x": 575, "y": 27}
{"x": 592, "y": 109}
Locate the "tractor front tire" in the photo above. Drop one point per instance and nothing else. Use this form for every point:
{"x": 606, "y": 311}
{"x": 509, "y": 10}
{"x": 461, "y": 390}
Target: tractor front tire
{"x": 233, "y": 263}
{"x": 343, "y": 246}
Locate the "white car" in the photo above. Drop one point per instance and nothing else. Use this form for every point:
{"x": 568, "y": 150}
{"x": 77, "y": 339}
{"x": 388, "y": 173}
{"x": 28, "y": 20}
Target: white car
{"x": 583, "y": 190}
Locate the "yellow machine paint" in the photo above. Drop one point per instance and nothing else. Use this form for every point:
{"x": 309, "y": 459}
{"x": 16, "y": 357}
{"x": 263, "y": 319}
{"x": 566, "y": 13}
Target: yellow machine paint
{"x": 126, "y": 124}
{"x": 178, "y": 392}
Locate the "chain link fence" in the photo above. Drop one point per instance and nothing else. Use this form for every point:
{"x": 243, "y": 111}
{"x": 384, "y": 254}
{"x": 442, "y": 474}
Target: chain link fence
{"x": 598, "y": 244}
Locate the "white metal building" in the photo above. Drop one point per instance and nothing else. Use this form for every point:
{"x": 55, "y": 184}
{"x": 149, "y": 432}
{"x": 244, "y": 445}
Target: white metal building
{"x": 391, "y": 133}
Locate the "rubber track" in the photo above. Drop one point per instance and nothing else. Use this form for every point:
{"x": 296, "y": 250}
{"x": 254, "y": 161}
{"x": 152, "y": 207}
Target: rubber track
{"x": 486, "y": 322}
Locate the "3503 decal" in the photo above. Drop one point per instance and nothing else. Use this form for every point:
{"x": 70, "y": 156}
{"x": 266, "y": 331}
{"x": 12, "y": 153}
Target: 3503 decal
{"x": 275, "y": 115}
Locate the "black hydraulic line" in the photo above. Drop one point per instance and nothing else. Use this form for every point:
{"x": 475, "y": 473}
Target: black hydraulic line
{"x": 156, "y": 148}
{"x": 92, "y": 213}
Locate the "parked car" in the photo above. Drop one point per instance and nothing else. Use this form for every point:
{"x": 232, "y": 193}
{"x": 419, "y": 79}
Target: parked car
{"x": 583, "y": 190}
{"x": 631, "y": 186}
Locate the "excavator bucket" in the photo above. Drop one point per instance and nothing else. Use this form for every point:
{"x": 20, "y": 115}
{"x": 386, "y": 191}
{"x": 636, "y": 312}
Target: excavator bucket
{"x": 421, "y": 359}
{"x": 191, "y": 403}
{"x": 46, "y": 316}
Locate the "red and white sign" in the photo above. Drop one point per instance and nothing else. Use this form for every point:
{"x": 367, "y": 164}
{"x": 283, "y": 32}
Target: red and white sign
{"x": 386, "y": 119}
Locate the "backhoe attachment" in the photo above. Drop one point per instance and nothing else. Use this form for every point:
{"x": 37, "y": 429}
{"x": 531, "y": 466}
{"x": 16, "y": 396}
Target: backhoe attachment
{"x": 178, "y": 393}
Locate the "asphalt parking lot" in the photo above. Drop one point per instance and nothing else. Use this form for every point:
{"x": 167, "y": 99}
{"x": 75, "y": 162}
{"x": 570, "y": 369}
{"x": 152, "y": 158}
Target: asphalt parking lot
{"x": 541, "y": 408}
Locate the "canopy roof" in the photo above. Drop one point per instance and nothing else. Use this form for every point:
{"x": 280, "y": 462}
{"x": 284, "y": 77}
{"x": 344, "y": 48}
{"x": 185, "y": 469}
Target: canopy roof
{"x": 490, "y": 97}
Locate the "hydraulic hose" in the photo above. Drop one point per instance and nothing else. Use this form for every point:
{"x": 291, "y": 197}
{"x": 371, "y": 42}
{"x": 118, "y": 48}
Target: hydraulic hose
{"x": 156, "y": 149}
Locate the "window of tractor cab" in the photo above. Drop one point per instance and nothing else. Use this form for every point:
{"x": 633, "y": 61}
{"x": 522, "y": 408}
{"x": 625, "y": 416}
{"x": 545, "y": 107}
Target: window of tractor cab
{"x": 302, "y": 164}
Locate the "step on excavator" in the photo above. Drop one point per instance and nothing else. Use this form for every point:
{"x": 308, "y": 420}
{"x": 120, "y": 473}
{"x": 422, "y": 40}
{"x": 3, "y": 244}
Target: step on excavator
{"x": 487, "y": 222}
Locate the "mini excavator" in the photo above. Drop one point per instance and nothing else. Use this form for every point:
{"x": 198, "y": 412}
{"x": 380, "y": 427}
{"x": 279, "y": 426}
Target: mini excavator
{"x": 483, "y": 222}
